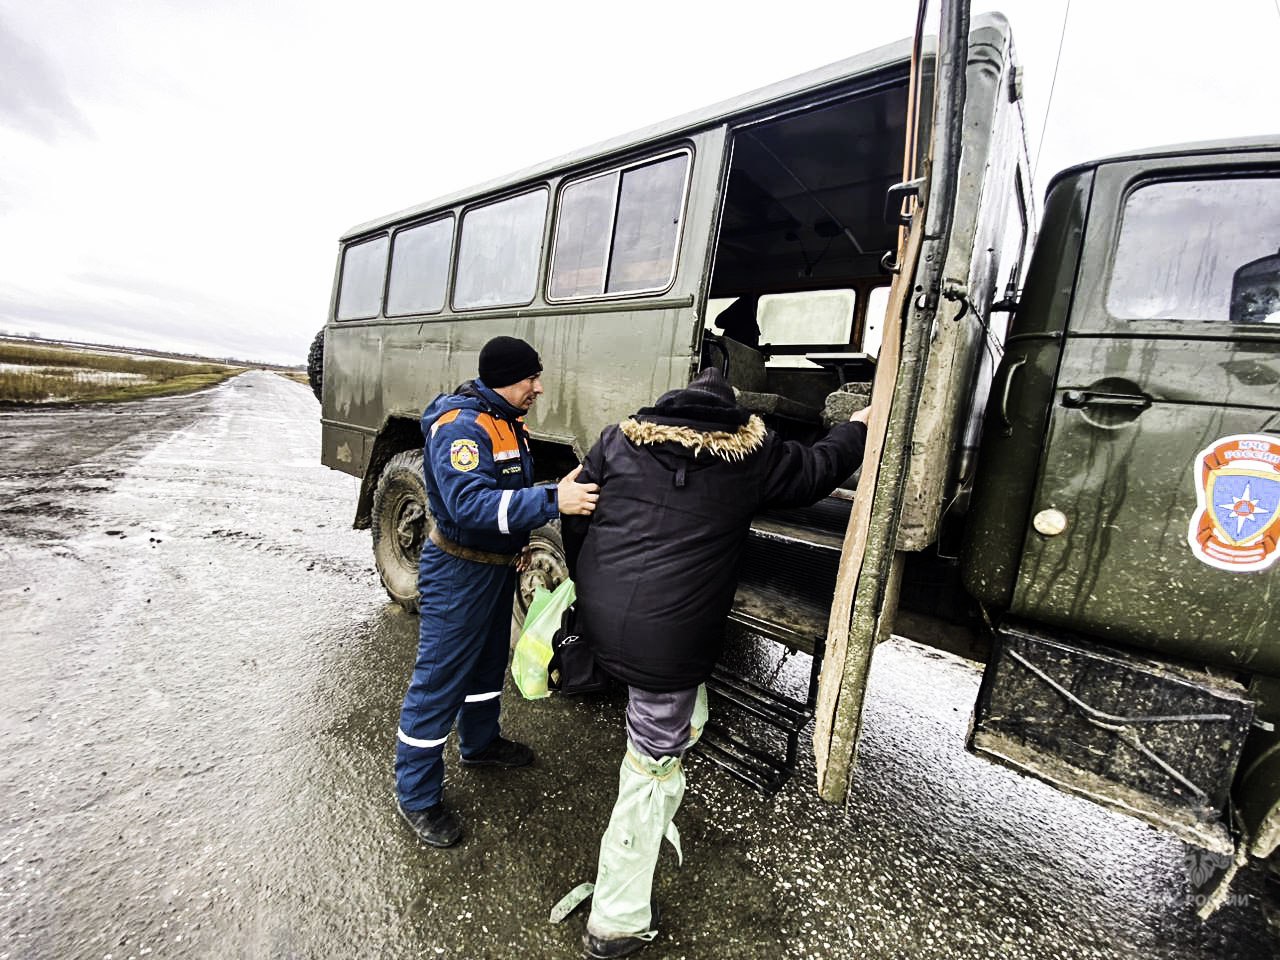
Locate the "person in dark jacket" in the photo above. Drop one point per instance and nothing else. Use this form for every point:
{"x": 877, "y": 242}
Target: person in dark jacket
{"x": 738, "y": 320}
{"x": 479, "y": 479}
{"x": 656, "y": 571}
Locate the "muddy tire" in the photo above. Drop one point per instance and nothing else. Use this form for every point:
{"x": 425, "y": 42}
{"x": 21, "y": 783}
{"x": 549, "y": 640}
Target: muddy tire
{"x": 548, "y": 569}
{"x": 315, "y": 364}
{"x": 400, "y": 524}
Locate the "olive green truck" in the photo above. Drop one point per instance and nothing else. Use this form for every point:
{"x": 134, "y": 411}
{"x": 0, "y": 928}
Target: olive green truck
{"x": 1073, "y": 472}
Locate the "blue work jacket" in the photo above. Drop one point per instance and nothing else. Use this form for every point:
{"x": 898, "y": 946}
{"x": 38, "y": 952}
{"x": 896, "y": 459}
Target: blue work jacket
{"x": 479, "y": 472}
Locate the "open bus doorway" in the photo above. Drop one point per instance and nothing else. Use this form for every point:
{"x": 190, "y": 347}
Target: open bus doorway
{"x": 799, "y": 263}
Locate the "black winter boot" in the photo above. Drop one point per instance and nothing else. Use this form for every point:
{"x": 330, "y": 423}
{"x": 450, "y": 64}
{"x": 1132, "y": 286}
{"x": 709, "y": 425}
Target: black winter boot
{"x": 607, "y": 948}
{"x": 501, "y": 752}
{"x": 435, "y": 825}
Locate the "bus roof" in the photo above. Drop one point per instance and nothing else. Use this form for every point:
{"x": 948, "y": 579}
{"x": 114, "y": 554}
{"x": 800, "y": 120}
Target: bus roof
{"x": 831, "y": 75}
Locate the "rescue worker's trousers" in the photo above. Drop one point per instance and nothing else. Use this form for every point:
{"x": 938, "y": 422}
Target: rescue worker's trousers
{"x": 660, "y": 728}
{"x": 464, "y": 637}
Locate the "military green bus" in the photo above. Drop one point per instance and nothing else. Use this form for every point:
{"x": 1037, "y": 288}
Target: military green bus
{"x": 1073, "y": 472}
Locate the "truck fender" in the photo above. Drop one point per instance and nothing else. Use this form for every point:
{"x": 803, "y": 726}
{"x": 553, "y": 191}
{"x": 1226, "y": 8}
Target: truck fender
{"x": 396, "y": 435}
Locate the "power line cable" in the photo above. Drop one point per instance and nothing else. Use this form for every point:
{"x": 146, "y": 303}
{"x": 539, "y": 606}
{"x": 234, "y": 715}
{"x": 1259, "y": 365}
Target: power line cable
{"x": 1062, "y": 40}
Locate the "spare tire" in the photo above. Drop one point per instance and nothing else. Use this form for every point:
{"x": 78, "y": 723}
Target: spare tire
{"x": 315, "y": 364}
{"x": 400, "y": 524}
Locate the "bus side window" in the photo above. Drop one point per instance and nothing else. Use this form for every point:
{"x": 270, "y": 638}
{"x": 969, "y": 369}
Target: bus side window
{"x": 618, "y": 231}
{"x": 420, "y": 268}
{"x": 499, "y": 252}
{"x": 364, "y": 267}
{"x": 819, "y": 319}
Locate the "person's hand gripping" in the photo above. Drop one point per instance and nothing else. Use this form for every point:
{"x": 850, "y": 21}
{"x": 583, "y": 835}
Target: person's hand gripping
{"x": 576, "y": 499}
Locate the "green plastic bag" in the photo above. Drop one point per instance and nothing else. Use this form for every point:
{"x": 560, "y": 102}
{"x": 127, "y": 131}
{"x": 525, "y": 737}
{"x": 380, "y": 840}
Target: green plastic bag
{"x": 533, "y": 649}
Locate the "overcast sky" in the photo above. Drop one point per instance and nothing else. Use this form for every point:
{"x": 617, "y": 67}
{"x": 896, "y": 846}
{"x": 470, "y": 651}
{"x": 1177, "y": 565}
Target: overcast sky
{"x": 175, "y": 173}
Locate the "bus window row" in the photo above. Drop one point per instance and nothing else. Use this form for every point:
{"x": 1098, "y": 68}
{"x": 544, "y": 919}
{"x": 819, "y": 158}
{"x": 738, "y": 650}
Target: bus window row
{"x": 617, "y": 233}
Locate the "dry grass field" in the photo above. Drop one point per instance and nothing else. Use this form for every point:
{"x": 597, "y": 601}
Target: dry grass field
{"x": 32, "y": 373}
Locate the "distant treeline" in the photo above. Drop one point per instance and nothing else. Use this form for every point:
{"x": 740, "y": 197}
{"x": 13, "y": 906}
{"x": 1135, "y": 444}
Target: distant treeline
{"x": 165, "y": 354}
{"x": 31, "y": 355}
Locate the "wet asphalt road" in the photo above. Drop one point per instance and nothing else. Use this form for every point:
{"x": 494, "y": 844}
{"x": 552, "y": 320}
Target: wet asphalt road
{"x": 199, "y": 681}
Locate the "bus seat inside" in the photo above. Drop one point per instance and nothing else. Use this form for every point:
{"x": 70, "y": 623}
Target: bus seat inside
{"x": 744, "y": 368}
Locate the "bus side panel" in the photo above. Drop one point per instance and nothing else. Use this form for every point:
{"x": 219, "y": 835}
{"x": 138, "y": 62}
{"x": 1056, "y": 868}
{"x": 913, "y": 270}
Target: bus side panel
{"x": 598, "y": 367}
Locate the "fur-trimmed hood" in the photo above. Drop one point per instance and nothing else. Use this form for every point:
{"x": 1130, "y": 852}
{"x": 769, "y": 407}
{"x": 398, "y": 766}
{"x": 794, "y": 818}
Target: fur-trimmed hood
{"x": 726, "y": 444}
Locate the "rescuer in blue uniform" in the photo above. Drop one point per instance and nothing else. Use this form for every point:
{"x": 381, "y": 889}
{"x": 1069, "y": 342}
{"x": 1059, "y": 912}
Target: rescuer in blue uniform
{"x": 479, "y": 479}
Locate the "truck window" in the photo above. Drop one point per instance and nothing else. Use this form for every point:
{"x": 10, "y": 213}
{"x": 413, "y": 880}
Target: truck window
{"x": 617, "y": 232}
{"x": 420, "y": 268}
{"x": 364, "y": 266}
{"x": 1182, "y": 243}
{"x": 499, "y": 252}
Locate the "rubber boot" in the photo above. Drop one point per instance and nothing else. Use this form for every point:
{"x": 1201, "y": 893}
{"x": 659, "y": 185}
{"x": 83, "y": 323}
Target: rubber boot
{"x": 649, "y": 793}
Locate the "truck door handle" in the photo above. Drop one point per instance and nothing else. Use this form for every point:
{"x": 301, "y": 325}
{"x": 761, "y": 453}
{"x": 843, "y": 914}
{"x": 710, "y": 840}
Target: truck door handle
{"x": 1009, "y": 371}
{"x": 1077, "y": 399}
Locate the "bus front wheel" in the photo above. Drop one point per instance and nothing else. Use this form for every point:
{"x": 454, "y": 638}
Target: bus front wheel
{"x": 400, "y": 524}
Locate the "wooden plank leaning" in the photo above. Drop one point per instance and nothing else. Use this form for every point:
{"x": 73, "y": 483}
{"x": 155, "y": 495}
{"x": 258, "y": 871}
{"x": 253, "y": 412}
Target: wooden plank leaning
{"x": 848, "y": 651}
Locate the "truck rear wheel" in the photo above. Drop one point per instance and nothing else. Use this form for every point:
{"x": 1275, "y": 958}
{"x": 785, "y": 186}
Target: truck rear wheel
{"x": 315, "y": 364}
{"x": 548, "y": 568}
{"x": 400, "y": 524}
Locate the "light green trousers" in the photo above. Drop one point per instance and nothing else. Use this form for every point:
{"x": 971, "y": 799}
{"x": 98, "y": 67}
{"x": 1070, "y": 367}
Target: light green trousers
{"x": 649, "y": 793}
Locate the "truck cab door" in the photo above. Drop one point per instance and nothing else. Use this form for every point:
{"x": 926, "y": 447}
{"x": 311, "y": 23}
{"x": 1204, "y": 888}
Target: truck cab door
{"x": 1155, "y": 517}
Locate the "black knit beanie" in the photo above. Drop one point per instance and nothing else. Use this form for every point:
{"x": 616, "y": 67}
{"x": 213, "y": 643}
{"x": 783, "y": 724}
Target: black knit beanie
{"x": 707, "y": 400}
{"x": 507, "y": 360}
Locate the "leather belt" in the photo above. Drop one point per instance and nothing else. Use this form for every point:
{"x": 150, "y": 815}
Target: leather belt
{"x": 467, "y": 553}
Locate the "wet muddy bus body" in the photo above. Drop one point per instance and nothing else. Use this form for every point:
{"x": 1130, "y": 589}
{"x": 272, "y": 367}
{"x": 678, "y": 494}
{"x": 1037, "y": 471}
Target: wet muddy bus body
{"x": 1073, "y": 467}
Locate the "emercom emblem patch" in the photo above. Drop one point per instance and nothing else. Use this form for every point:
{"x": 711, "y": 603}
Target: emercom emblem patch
{"x": 464, "y": 455}
{"x": 1236, "y": 525}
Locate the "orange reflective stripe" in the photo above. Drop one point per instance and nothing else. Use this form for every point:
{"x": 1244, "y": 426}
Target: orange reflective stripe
{"x": 447, "y": 417}
{"x": 502, "y": 440}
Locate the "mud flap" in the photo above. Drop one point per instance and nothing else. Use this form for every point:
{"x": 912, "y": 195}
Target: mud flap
{"x": 1148, "y": 738}
{"x": 1211, "y": 876}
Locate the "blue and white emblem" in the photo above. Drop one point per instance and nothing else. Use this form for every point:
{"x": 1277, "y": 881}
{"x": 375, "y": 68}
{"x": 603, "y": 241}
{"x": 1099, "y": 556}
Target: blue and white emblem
{"x": 1236, "y": 525}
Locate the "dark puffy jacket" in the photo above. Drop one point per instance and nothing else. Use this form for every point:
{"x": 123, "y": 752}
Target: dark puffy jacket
{"x": 656, "y": 567}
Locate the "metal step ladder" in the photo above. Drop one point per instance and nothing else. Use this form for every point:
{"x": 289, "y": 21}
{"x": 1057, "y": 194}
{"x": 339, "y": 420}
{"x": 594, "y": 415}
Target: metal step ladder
{"x": 784, "y": 595}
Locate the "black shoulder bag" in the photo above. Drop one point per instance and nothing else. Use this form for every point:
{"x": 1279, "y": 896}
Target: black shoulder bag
{"x": 573, "y": 667}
